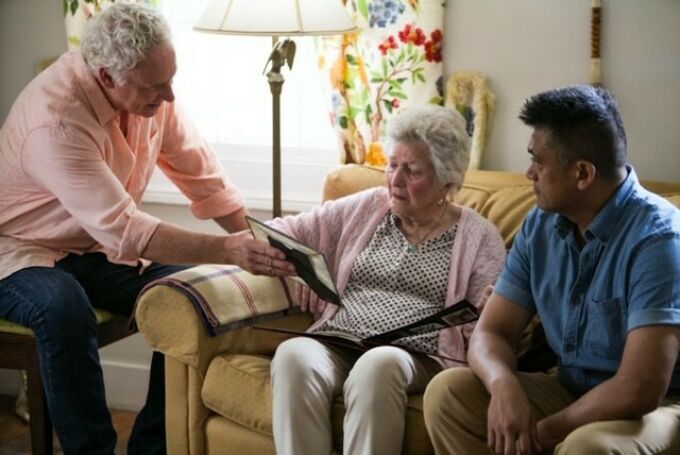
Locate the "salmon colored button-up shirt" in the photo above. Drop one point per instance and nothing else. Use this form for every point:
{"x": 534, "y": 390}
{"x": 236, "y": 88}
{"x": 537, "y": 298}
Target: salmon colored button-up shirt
{"x": 71, "y": 181}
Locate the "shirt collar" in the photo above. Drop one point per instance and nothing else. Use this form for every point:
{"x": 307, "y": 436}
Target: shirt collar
{"x": 101, "y": 105}
{"x": 604, "y": 224}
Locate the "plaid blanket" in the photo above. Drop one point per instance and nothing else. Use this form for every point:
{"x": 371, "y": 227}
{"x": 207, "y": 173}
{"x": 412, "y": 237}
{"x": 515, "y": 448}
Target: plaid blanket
{"x": 227, "y": 298}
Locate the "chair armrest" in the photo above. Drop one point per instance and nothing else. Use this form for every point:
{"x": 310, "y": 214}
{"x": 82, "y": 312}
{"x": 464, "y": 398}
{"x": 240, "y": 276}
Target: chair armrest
{"x": 170, "y": 323}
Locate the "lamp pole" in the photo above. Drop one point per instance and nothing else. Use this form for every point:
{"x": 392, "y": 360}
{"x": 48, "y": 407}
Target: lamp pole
{"x": 282, "y": 52}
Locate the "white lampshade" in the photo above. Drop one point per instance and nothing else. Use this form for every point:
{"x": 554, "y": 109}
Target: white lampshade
{"x": 275, "y": 17}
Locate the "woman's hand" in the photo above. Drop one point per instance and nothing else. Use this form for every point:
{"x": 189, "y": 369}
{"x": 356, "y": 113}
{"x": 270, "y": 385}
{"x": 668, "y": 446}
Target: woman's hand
{"x": 486, "y": 293}
{"x": 309, "y": 301}
{"x": 257, "y": 257}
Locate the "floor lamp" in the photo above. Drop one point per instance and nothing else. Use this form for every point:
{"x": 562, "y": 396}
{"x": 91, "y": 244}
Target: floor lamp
{"x": 276, "y": 18}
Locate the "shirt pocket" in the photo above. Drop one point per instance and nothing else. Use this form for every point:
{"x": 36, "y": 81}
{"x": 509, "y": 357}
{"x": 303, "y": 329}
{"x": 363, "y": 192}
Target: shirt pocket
{"x": 604, "y": 323}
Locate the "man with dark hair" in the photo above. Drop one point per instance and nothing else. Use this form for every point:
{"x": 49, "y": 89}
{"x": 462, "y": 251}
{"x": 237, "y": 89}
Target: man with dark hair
{"x": 586, "y": 122}
{"x": 599, "y": 261}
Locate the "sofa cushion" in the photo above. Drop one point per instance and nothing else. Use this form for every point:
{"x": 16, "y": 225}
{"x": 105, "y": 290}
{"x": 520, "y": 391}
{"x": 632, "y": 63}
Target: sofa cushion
{"x": 351, "y": 178}
{"x": 472, "y": 196}
{"x": 507, "y": 208}
{"x": 675, "y": 199}
{"x": 222, "y": 436}
{"x": 238, "y": 387}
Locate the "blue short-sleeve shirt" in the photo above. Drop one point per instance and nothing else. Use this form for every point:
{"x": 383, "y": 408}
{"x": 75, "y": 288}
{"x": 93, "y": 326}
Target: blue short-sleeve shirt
{"x": 627, "y": 275}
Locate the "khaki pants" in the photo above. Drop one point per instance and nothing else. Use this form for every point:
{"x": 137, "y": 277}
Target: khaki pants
{"x": 306, "y": 375}
{"x": 456, "y": 404}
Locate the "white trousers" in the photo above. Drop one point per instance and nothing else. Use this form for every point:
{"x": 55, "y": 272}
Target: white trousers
{"x": 307, "y": 374}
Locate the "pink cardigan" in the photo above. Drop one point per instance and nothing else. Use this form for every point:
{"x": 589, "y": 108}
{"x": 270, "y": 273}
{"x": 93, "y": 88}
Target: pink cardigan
{"x": 342, "y": 228}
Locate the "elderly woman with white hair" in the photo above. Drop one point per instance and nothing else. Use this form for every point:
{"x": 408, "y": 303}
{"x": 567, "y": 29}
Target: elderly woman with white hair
{"x": 398, "y": 254}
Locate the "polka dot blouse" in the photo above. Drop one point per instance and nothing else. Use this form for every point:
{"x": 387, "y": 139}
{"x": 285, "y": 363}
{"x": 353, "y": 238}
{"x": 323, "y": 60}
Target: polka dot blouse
{"x": 394, "y": 283}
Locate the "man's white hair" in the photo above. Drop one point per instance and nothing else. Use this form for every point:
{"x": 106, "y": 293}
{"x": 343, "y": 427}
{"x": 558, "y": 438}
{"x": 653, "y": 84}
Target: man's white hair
{"x": 120, "y": 36}
{"x": 443, "y": 133}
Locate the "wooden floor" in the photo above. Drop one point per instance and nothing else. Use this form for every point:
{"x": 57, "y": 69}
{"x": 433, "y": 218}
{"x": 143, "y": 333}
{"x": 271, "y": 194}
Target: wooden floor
{"x": 15, "y": 435}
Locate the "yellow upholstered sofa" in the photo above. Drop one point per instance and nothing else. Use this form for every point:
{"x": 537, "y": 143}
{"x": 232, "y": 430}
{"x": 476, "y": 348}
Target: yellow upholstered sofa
{"x": 217, "y": 388}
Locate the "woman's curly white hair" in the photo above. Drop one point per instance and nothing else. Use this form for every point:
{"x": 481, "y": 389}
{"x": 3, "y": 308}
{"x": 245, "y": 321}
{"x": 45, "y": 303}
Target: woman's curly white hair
{"x": 120, "y": 36}
{"x": 444, "y": 135}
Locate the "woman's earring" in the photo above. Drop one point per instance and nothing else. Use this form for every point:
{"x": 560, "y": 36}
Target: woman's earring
{"x": 441, "y": 201}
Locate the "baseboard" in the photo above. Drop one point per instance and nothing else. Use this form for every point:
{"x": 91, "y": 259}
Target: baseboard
{"x": 126, "y": 384}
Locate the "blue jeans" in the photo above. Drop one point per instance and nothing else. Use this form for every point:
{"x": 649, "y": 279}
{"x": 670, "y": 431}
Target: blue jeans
{"x": 57, "y": 303}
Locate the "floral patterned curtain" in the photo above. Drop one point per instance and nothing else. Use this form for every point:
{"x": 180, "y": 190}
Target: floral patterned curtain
{"x": 77, "y": 12}
{"x": 391, "y": 61}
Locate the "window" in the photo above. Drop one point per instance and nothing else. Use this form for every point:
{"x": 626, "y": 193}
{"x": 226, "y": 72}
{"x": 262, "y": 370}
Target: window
{"x": 220, "y": 82}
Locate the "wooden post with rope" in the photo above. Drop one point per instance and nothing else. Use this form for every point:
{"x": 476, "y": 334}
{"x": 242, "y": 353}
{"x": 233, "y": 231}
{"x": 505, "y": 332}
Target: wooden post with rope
{"x": 595, "y": 27}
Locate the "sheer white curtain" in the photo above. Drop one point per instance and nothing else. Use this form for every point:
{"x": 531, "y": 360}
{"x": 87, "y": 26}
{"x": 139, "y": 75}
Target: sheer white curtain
{"x": 220, "y": 83}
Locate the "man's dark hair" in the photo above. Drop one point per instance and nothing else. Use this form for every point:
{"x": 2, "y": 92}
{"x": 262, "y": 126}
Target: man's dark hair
{"x": 583, "y": 122}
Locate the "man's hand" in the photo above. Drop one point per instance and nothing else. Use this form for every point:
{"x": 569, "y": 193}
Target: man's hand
{"x": 511, "y": 424}
{"x": 548, "y": 438}
{"x": 257, "y": 257}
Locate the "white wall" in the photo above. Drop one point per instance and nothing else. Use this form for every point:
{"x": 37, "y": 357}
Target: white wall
{"x": 30, "y": 32}
{"x": 526, "y": 46}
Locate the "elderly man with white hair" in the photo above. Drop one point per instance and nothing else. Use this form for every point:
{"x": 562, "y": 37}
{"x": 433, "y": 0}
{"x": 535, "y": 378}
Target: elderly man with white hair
{"x": 77, "y": 150}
